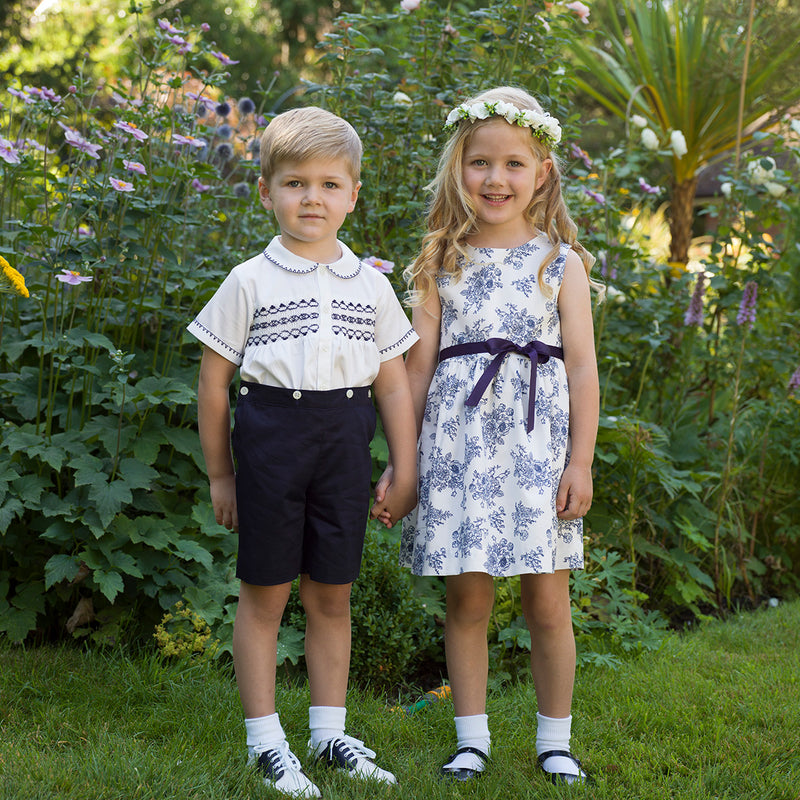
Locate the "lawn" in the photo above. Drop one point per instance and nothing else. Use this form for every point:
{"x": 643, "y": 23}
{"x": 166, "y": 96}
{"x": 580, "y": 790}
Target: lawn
{"x": 714, "y": 714}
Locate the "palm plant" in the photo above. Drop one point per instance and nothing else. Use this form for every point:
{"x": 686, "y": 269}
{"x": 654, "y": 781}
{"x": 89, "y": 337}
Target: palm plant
{"x": 684, "y": 69}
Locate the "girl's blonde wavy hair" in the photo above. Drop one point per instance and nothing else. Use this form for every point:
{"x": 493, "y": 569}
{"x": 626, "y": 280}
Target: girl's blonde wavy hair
{"x": 451, "y": 217}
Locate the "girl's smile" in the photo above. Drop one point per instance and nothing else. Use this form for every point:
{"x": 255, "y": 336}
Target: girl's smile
{"x": 501, "y": 173}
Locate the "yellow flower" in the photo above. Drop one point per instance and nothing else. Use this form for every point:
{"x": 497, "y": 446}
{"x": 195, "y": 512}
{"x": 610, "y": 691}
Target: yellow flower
{"x": 11, "y": 281}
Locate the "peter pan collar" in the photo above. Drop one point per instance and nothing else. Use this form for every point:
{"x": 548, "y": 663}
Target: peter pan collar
{"x": 348, "y": 266}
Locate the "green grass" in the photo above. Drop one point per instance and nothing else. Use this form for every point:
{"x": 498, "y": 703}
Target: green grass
{"x": 714, "y": 714}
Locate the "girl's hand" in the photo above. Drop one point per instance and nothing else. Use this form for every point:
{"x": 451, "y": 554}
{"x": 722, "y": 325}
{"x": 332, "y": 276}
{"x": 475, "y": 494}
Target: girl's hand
{"x": 574, "y": 496}
{"x": 393, "y": 498}
{"x": 223, "y": 500}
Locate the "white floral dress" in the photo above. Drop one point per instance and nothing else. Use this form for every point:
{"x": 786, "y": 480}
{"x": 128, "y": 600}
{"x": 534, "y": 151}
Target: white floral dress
{"x": 487, "y": 485}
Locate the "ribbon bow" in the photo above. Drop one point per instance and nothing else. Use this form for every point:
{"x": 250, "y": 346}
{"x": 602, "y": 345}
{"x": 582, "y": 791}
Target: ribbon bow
{"x": 538, "y": 352}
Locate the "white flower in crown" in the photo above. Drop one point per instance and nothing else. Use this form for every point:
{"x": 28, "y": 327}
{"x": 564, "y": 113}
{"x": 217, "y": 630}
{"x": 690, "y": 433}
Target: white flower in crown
{"x": 542, "y": 125}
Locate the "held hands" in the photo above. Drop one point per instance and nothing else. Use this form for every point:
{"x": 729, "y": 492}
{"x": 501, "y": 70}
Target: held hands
{"x": 393, "y": 498}
{"x": 574, "y": 496}
{"x": 223, "y": 500}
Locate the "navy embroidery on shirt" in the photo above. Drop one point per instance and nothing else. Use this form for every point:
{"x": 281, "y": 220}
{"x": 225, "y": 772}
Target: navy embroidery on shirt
{"x": 355, "y": 320}
{"x": 283, "y": 321}
{"x": 219, "y": 341}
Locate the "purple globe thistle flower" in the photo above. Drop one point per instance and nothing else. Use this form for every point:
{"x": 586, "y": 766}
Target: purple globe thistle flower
{"x": 241, "y": 189}
{"x": 224, "y": 151}
{"x": 694, "y": 314}
{"x": 223, "y": 109}
{"x": 224, "y": 131}
{"x": 246, "y": 106}
{"x": 747, "y": 308}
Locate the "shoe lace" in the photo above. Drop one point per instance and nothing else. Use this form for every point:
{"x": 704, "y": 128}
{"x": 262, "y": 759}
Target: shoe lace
{"x": 281, "y": 758}
{"x": 357, "y": 747}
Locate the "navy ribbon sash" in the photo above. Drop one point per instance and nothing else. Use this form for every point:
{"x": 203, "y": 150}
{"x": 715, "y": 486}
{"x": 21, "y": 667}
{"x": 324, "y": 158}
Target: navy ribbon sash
{"x": 538, "y": 352}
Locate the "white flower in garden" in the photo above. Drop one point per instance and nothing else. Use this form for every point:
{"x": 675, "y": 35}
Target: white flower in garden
{"x": 775, "y": 189}
{"x": 795, "y": 125}
{"x": 760, "y": 170}
{"x": 678, "y": 143}
{"x": 649, "y": 139}
{"x": 639, "y": 121}
{"x": 726, "y": 188}
{"x": 402, "y": 99}
{"x": 409, "y": 5}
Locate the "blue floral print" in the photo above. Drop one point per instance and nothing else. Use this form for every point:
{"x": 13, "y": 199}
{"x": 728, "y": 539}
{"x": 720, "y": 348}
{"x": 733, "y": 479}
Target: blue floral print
{"x": 487, "y": 486}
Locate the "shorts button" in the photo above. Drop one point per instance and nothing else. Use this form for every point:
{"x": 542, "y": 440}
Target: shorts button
{"x": 349, "y": 393}
{"x": 369, "y": 392}
{"x": 297, "y": 394}
{"x": 243, "y": 390}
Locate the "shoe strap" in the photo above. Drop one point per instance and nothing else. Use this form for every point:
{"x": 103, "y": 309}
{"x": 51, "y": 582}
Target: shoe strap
{"x": 558, "y": 754}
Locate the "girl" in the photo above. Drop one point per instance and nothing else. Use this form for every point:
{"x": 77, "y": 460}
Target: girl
{"x": 505, "y": 388}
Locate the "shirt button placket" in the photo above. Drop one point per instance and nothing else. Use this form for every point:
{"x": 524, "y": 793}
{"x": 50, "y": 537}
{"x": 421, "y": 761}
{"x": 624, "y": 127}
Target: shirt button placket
{"x": 324, "y": 377}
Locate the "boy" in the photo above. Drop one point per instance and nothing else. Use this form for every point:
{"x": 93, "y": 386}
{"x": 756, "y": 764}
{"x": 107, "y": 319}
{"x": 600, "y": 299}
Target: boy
{"x": 311, "y": 329}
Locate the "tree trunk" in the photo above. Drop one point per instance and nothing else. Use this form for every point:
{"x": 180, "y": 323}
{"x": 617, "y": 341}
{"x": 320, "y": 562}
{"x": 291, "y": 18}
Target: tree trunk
{"x": 681, "y": 218}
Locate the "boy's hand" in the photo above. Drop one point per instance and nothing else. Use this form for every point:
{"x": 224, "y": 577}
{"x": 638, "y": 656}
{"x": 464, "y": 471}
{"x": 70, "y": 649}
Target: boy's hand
{"x": 223, "y": 499}
{"x": 394, "y": 498}
{"x": 574, "y": 496}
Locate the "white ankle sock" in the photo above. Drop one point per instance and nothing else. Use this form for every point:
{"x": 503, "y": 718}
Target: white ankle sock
{"x": 263, "y": 733}
{"x": 325, "y": 722}
{"x": 553, "y": 733}
{"x": 472, "y": 731}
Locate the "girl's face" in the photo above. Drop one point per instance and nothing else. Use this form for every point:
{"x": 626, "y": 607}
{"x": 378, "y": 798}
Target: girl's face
{"x": 500, "y": 174}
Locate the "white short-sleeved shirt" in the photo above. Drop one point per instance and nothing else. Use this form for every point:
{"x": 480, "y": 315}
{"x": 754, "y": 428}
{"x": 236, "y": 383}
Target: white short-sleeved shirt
{"x": 289, "y": 322}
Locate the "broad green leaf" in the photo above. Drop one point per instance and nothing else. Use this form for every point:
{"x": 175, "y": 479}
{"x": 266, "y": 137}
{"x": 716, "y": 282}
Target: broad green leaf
{"x": 109, "y": 583}
{"x": 108, "y": 498}
{"x": 60, "y": 567}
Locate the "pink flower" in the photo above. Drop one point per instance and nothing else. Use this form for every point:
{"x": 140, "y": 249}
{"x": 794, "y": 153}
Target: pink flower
{"x": 199, "y": 187}
{"x": 71, "y": 277}
{"x": 409, "y": 5}
{"x": 225, "y": 60}
{"x": 380, "y": 264}
{"x": 8, "y": 152}
{"x": 205, "y": 27}
{"x": 581, "y": 154}
{"x": 647, "y": 188}
{"x": 134, "y": 166}
{"x": 77, "y": 141}
{"x": 188, "y": 139}
{"x": 598, "y": 197}
{"x": 168, "y": 27}
{"x": 85, "y": 230}
{"x": 181, "y": 43}
{"x": 132, "y": 129}
{"x": 120, "y": 185}
{"x": 581, "y": 10}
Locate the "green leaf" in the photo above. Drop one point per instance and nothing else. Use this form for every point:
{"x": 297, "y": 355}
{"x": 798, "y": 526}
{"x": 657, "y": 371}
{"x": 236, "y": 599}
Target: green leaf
{"x": 190, "y": 550}
{"x": 155, "y": 532}
{"x": 60, "y": 567}
{"x": 9, "y": 511}
{"x": 17, "y": 623}
{"x": 136, "y": 474}
{"x": 108, "y": 498}
{"x": 109, "y": 583}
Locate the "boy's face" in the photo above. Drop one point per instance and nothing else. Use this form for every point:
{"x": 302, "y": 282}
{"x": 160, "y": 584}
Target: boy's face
{"x": 310, "y": 200}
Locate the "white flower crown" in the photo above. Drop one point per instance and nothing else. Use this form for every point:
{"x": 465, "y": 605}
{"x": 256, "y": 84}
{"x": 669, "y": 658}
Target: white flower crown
{"x": 543, "y": 126}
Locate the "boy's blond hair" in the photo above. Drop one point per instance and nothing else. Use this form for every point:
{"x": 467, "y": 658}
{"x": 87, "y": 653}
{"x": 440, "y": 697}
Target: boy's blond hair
{"x": 305, "y": 133}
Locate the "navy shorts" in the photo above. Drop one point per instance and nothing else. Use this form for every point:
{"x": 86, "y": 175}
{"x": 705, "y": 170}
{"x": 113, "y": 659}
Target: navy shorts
{"x": 303, "y": 469}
